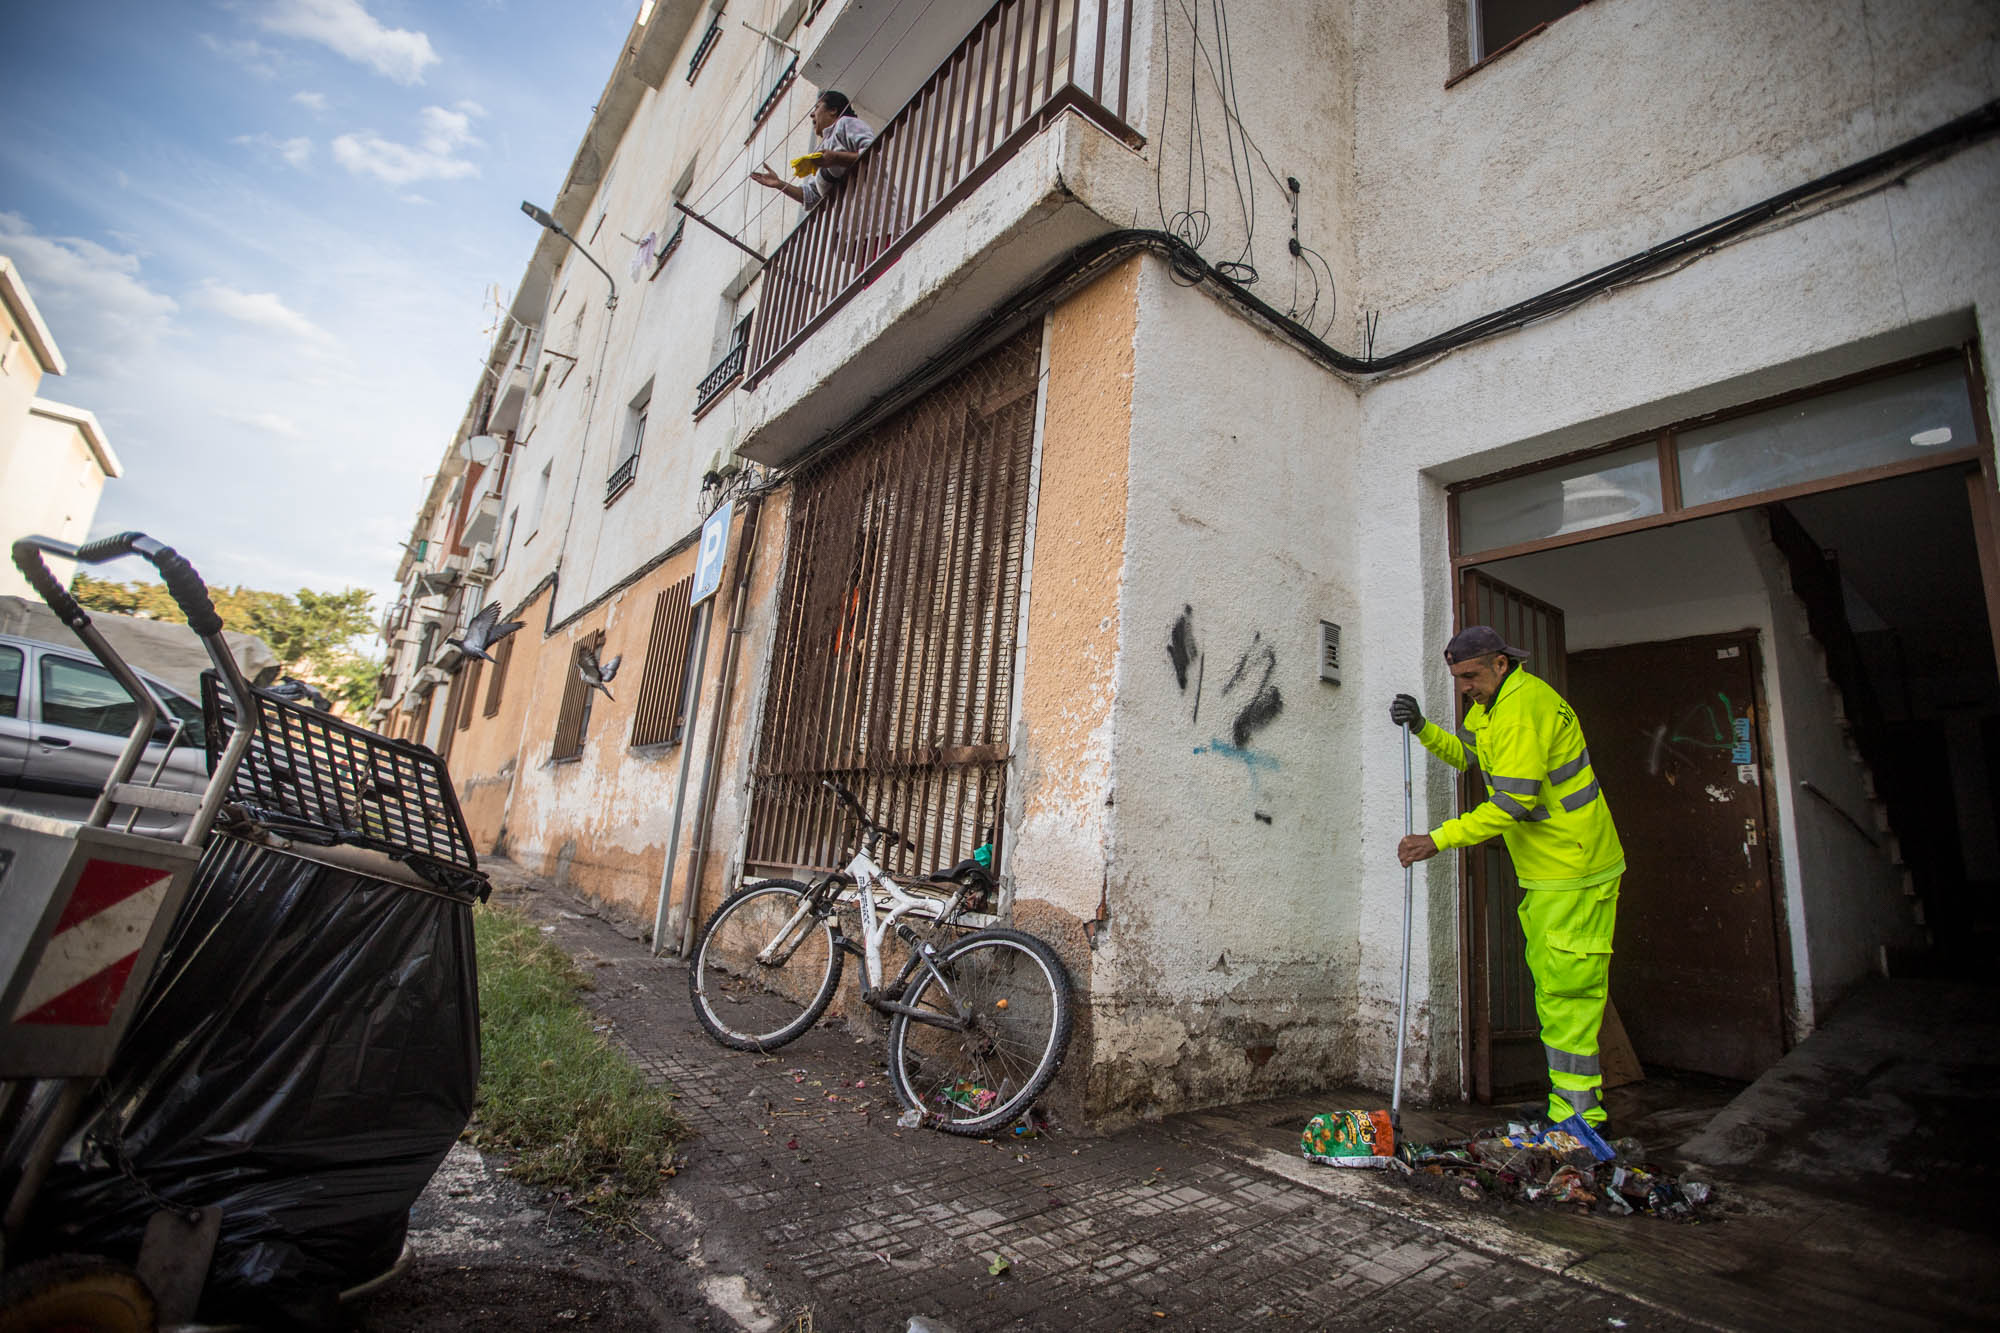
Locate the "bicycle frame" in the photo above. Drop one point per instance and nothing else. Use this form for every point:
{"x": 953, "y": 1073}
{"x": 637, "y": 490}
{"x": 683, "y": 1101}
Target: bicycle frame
{"x": 882, "y": 903}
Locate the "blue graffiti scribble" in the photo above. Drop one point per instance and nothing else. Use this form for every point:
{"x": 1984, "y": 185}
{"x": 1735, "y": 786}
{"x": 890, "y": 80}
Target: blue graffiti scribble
{"x": 1253, "y": 761}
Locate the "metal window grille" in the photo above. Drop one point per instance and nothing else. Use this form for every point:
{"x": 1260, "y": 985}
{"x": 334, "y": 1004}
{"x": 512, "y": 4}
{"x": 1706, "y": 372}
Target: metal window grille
{"x": 701, "y": 52}
{"x": 471, "y": 688}
{"x": 574, "y": 717}
{"x": 727, "y": 371}
{"x": 772, "y": 98}
{"x": 660, "y": 712}
{"x": 502, "y": 655}
{"x": 894, "y": 664}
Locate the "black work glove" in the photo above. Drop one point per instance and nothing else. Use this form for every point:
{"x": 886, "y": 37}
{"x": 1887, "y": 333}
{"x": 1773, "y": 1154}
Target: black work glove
{"x": 1405, "y": 713}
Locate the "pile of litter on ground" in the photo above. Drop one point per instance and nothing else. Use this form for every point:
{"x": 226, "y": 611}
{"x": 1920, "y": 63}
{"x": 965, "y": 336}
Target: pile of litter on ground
{"x": 1517, "y": 1164}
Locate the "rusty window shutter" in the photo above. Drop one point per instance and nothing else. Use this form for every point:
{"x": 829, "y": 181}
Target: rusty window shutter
{"x": 660, "y": 713}
{"x": 502, "y": 655}
{"x": 893, "y": 669}
{"x": 574, "y": 716}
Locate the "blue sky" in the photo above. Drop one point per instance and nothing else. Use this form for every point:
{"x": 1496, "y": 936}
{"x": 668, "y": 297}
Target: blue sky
{"x": 266, "y": 235}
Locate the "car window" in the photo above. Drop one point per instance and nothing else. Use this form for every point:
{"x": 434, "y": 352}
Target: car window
{"x": 79, "y": 694}
{"x": 10, "y": 681}
{"x": 188, "y": 711}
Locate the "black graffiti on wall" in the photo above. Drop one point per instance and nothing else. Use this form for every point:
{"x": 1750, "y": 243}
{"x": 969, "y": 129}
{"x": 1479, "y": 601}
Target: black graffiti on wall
{"x": 1257, "y": 701}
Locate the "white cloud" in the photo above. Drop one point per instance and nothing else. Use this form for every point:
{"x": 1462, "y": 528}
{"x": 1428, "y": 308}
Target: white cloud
{"x": 270, "y": 422}
{"x": 251, "y": 54}
{"x": 348, "y": 28}
{"x": 297, "y": 151}
{"x": 263, "y": 310}
{"x": 92, "y": 296}
{"x": 310, "y": 101}
{"x": 433, "y": 157}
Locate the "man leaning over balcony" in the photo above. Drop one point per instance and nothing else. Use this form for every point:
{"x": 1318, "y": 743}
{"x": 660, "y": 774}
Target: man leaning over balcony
{"x": 842, "y": 137}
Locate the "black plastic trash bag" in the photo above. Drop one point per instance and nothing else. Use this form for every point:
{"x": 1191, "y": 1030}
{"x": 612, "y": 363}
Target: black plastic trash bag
{"x": 306, "y": 1055}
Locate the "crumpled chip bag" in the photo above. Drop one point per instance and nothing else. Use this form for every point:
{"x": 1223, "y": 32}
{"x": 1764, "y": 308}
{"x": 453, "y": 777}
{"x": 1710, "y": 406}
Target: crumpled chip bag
{"x": 1349, "y": 1138}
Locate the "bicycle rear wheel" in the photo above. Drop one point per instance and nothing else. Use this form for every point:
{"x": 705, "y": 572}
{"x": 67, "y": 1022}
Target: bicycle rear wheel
{"x": 1014, "y": 994}
{"x": 766, "y": 967}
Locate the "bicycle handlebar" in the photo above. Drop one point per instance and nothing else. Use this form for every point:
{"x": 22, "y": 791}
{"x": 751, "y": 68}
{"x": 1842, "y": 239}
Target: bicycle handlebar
{"x": 869, "y": 825}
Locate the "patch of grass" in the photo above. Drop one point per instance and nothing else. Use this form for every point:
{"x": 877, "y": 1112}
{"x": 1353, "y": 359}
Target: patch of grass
{"x": 567, "y": 1110}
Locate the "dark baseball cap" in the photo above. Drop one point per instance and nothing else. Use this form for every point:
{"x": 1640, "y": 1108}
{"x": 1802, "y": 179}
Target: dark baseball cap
{"x": 1479, "y": 641}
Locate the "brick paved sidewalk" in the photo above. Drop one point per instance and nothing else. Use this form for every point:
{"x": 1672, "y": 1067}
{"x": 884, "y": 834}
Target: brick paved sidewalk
{"x": 801, "y": 1174}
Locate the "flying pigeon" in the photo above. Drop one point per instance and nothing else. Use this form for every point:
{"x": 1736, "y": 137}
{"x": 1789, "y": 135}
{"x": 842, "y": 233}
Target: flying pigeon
{"x": 293, "y": 689}
{"x": 484, "y": 631}
{"x": 592, "y": 673}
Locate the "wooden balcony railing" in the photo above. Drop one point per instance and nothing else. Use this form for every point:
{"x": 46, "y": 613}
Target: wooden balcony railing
{"x": 1023, "y": 64}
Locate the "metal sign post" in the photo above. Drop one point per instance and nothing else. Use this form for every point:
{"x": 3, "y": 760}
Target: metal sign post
{"x": 708, "y": 566}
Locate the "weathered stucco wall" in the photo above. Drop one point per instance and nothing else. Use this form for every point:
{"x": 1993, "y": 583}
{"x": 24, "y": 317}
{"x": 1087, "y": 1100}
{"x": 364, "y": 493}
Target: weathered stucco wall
{"x": 1624, "y": 123}
{"x": 1226, "y": 968}
{"x": 486, "y": 754}
{"x": 1060, "y": 780}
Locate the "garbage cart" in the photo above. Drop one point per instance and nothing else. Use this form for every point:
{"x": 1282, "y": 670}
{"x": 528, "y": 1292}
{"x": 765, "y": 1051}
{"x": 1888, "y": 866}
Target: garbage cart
{"x": 231, "y": 1061}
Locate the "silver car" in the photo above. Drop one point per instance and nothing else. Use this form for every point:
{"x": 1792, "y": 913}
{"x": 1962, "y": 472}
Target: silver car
{"x": 63, "y": 722}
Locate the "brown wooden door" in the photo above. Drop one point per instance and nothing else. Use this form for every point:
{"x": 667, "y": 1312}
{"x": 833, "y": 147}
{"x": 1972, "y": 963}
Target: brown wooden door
{"x": 1504, "y": 1037}
{"x": 1676, "y": 739}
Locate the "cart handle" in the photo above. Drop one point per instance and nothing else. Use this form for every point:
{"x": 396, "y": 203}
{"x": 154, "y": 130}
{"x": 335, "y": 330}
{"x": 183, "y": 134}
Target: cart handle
{"x": 183, "y": 584}
{"x": 191, "y": 595}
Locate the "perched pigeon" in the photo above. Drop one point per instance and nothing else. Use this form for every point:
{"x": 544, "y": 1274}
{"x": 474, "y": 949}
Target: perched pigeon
{"x": 485, "y": 630}
{"x": 594, "y": 674}
{"x": 294, "y": 690}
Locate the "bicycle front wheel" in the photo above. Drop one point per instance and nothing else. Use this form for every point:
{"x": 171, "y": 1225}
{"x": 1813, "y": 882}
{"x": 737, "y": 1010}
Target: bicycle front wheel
{"x": 766, "y": 967}
{"x": 1010, "y": 995}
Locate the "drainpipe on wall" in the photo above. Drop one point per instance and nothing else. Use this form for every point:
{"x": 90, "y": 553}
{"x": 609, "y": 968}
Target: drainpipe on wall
{"x": 746, "y": 564}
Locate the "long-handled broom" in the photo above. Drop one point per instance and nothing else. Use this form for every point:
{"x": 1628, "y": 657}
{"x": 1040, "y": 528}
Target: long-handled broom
{"x": 1368, "y": 1138}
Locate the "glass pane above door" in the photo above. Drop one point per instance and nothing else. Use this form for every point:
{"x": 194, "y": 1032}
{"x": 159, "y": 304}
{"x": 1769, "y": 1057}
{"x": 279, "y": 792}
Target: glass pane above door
{"x": 1903, "y": 418}
{"x": 1590, "y": 493}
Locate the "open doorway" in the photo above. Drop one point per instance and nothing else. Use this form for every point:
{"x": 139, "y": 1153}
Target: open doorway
{"x": 1794, "y": 710}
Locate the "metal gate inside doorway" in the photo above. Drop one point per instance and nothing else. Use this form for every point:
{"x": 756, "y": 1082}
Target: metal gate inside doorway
{"x": 893, "y": 670}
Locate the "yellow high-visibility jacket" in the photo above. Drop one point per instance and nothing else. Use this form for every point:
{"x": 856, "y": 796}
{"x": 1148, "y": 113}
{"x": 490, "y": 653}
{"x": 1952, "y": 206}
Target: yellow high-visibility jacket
{"x": 1541, "y": 796}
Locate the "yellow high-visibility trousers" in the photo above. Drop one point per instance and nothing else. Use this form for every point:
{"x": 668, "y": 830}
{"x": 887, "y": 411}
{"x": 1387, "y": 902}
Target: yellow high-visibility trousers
{"x": 1569, "y": 951}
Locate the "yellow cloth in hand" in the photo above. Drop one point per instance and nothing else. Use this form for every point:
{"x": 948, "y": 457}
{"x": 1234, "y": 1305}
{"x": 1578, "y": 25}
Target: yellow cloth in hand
{"x": 807, "y": 165}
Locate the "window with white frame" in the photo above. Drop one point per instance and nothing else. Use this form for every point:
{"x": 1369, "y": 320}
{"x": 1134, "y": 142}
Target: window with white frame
{"x": 625, "y": 466}
{"x": 539, "y": 498}
{"x": 1492, "y": 24}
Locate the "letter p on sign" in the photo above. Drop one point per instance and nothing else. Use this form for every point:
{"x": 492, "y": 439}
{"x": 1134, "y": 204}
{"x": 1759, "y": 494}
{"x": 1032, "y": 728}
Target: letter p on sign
{"x": 714, "y": 546}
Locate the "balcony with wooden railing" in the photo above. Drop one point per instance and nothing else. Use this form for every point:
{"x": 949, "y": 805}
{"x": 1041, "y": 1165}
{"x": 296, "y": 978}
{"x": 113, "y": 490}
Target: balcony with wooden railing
{"x": 1021, "y": 66}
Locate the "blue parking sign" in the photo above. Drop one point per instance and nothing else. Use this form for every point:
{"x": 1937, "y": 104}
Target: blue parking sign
{"x": 714, "y": 546}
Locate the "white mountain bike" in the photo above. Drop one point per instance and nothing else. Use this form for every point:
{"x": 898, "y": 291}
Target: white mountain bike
{"x": 979, "y": 1019}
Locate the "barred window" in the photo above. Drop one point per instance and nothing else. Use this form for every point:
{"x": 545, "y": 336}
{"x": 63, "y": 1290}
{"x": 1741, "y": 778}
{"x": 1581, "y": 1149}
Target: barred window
{"x": 574, "y": 719}
{"x": 502, "y": 655}
{"x": 471, "y": 688}
{"x": 660, "y": 715}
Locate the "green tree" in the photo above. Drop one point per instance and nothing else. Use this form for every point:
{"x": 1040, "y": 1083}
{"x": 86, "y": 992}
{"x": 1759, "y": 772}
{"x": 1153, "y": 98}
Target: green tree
{"x": 312, "y": 633}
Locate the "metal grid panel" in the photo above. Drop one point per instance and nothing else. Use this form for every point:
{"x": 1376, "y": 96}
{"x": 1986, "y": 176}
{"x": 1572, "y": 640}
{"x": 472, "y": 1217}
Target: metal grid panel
{"x": 574, "y": 716}
{"x": 662, "y": 704}
{"x": 503, "y": 655}
{"x": 308, "y": 767}
{"x": 470, "y": 678}
{"x": 894, "y": 665}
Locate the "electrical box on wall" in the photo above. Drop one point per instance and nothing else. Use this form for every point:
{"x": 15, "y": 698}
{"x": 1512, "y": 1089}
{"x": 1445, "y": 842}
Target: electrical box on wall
{"x": 1329, "y": 651}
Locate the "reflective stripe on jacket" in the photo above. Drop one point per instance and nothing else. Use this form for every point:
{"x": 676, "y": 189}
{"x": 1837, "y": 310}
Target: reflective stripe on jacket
{"x": 1542, "y": 797}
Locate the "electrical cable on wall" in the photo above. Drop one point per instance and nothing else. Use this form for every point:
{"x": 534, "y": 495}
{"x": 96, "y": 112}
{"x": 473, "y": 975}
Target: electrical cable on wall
{"x": 1192, "y": 223}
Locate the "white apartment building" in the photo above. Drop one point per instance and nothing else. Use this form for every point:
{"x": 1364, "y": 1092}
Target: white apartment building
{"x": 1166, "y": 384}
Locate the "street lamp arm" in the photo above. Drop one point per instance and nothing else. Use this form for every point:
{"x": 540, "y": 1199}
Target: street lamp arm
{"x": 546, "y": 219}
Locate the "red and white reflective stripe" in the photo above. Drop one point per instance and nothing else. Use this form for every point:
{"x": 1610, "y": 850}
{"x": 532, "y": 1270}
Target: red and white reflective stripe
{"x": 82, "y": 973}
